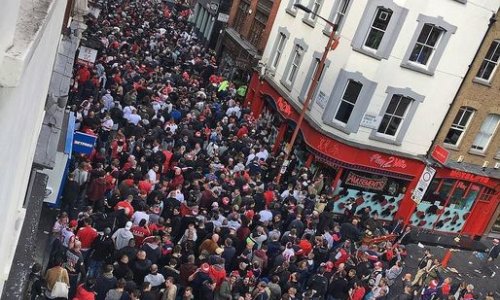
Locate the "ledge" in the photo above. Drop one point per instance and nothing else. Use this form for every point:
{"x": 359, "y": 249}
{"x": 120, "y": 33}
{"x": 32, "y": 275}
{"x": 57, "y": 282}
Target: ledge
{"x": 30, "y": 26}
{"x": 414, "y": 67}
{"x": 481, "y": 81}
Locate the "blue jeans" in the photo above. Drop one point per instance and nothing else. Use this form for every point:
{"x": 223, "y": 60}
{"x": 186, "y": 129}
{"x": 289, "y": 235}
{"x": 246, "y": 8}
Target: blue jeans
{"x": 95, "y": 268}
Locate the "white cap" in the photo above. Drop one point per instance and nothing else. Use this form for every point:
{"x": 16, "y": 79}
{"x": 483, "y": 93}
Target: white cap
{"x": 128, "y": 225}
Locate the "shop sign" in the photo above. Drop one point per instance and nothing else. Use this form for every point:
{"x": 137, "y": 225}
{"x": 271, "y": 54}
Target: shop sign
{"x": 469, "y": 177}
{"x": 423, "y": 184}
{"x": 365, "y": 182}
{"x": 388, "y": 162}
{"x": 440, "y": 154}
{"x": 321, "y": 99}
{"x": 83, "y": 143}
{"x": 86, "y": 56}
{"x": 283, "y": 106}
{"x": 371, "y": 121}
{"x": 223, "y": 17}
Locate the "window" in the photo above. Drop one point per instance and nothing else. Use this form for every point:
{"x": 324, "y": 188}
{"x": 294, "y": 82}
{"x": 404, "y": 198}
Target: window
{"x": 485, "y": 133}
{"x": 315, "y": 9}
{"x": 293, "y": 66}
{"x": 338, "y": 15}
{"x": 314, "y": 6}
{"x": 278, "y": 47}
{"x": 379, "y": 28}
{"x": 258, "y": 26}
{"x": 459, "y": 125}
{"x": 490, "y": 62}
{"x": 348, "y": 101}
{"x": 291, "y": 10}
{"x": 428, "y": 44}
{"x": 308, "y": 81}
{"x": 279, "y": 50}
{"x": 394, "y": 115}
{"x": 241, "y": 15}
{"x": 487, "y": 194}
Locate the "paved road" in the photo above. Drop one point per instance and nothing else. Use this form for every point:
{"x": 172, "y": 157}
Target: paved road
{"x": 467, "y": 263}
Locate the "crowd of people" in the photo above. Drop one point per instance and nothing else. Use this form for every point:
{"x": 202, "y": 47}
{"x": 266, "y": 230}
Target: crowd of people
{"x": 179, "y": 198}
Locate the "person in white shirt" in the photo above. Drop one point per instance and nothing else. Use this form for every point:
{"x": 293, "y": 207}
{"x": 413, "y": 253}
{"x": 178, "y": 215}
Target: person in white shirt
{"x": 138, "y": 216}
{"x": 154, "y": 278}
{"x": 152, "y": 174}
{"x": 262, "y": 154}
{"x": 265, "y": 215}
{"x": 134, "y": 118}
{"x": 108, "y": 100}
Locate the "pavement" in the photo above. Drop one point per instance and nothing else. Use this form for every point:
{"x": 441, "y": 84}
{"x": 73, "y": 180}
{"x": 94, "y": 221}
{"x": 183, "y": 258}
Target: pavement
{"x": 464, "y": 266}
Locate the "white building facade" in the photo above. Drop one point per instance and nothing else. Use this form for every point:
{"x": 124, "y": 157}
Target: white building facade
{"x": 31, "y": 34}
{"x": 381, "y": 97}
{"x": 394, "y": 73}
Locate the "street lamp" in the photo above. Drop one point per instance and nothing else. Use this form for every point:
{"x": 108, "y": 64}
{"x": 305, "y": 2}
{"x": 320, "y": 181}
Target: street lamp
{"x": 313, "y": 86}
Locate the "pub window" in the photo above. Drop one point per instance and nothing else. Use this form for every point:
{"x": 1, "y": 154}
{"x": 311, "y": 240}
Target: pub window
{"x": 487, "y": 194}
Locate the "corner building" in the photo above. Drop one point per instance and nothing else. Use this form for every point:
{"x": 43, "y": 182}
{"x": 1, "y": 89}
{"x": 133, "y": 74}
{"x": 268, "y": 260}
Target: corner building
{"x": 381, "y": 97}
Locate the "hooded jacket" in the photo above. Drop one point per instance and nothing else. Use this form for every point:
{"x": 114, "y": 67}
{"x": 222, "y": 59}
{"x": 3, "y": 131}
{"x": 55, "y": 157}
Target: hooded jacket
{"x": 121, "y": 237}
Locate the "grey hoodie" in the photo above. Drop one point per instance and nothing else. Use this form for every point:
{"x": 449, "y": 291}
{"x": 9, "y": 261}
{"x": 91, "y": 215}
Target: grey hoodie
{"x": 121, "y": 238}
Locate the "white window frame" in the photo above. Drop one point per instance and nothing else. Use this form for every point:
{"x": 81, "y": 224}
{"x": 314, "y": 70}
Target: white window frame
{"x": 279, "y": 50}
{"x": 425, "y": 45}
{"x": 394, "y": 115}
{"x": 338, "y": 15}
{"x": 291, "y": 10}
{"x": 410, "y": 112}
{"x": 336, "y": 95}
{"x": 475, "y": 148}
{"x": 282, "y": 31}
{"x": 391, "y": 33}
{"x": 298, "y": 52}
{"x": 342, "y": 100}
{"x": 430, "y": 67}
{"x": 374, "y": 28}
{"x": 309, "y": 78}
{"x": 461, "y": 114}
{"x": 489, "y": 60}
{"x": 315, "y": 6}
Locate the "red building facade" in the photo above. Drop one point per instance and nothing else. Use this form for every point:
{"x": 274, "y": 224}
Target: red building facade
{"x": 455, "y": 202}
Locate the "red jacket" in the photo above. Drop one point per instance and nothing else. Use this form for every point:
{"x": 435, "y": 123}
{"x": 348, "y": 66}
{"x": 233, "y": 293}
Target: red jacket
{"x": 86, "y": 235}
{"x": 83, "y": 294}
{"x": 217, "y": 274}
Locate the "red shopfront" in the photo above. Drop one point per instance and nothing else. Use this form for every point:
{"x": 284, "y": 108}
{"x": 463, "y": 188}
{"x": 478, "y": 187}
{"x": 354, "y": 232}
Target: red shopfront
{"x": 379, "y": 180}
{"x": 458, "y": 202}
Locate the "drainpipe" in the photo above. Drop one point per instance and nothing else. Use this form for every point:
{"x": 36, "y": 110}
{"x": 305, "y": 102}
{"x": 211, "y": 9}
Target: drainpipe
{"x": 490, "y": 25}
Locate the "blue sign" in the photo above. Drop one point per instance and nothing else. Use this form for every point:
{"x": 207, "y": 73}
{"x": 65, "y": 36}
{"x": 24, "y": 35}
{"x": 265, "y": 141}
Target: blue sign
{"x": 68, "y": 146}
{"x": 83, "y": 143}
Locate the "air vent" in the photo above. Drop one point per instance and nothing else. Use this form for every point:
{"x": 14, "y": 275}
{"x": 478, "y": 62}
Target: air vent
{"x": 497, "y": 165}
{"x": 485, "y": 164}
{"x": 460, "y": 159}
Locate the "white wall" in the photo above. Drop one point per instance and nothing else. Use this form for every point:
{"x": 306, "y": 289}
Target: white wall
{"x": 471, "y": 20}
{"x": 21, "y": 115}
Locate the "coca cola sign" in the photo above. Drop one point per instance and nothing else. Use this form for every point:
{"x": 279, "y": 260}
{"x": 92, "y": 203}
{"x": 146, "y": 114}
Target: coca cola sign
{"x": 388, "y": 162}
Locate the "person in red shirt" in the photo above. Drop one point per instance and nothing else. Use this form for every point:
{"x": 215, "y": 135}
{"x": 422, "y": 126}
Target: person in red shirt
{"x": 86, "y": 234}
{"x": 140, "y": 232}
{"x": 83, "y": 74}
{"x": 358, "y": 292}
{"x": 145, "y": 186}
{"x": 269, "y": 196}
{"x": 126, "y": 205}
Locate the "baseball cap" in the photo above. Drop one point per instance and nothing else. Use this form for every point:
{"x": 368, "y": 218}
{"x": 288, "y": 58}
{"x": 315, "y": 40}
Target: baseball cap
{"x": 73, "y": 223}
{"x": 128, "y": 225}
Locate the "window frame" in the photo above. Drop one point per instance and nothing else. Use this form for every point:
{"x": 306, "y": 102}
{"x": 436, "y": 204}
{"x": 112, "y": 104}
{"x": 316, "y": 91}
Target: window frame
{"x": 359, "y": 110}
{"x": 334, "y": 16}
{"x": 308, "y": 17}
{"x": 392, "y": 116}
{"x": 407, "y": 120}
{"x": 282, "y": 31}
{"x": 373, "y": 28}
{"x": 430, "y": 67}
{"x": 388, "y": 41}
{"x": 485, "y": 59}
{"x": 487, "y": 144}
{"x": 462, "y": 110}
{"x": 298, "y": 45}
{"x": 309, "y": 76}
{"x": 290, "y": 9}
